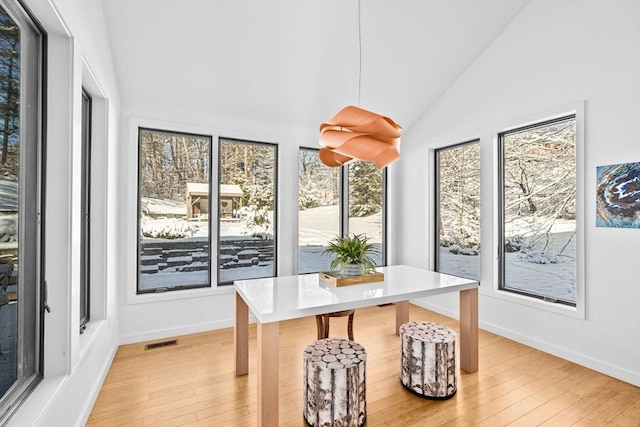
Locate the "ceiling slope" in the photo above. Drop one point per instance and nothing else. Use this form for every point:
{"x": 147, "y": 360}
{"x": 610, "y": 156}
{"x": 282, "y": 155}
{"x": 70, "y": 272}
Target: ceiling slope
{"x": 296, "y": 63}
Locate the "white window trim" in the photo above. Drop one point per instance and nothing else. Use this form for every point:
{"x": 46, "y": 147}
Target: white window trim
{"x": 132, "y": 296}
{"x": 578, "y": 311}
{"x": 276, "y": 188}
{"x": 98, "y": 250}
{"x": 489, "y": 213}
{"x": 128, "y": 258}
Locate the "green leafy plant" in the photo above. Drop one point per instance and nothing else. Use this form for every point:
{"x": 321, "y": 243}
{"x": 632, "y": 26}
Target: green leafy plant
{"x": 354, "y": 249}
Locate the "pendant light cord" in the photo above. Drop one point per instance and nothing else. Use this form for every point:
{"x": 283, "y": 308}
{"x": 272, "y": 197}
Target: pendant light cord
{"x": 359, "y": 55}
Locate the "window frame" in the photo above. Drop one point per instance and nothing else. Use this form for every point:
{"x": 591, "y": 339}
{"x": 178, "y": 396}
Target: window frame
{"x": 344, "y": 199}
{"x": 30, "y": 328}
{"x": 220, "y": 139}
{"x": 501, "y": 283}
{"x": 341, "y": 204}
{"x": 436, "y": 196}
{"x": 85, "y": 212}
{"x": 161, "y": 290}
{"x": 489, "y": 140}
{"x": 344, "y": 208}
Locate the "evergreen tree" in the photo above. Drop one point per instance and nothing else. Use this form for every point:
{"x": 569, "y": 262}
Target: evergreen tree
{"x": 365, "y": 189}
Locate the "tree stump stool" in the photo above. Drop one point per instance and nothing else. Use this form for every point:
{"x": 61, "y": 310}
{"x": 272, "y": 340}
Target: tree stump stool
{"x": 428, "y": 362}
{"x": 334, "y": 383}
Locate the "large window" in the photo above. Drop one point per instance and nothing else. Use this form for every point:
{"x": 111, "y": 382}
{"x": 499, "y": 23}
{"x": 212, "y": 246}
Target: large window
{"x": 366, "y": 208}
{"x": 458, "y": 210}
{"x": 538, "y": 210}
{"x": 20, "y": 206}
{"x": 318, "y": 210}
{"x": 330, "y": 205}
{"x": 246, "y": 210}
{"x": 173, "y": 224}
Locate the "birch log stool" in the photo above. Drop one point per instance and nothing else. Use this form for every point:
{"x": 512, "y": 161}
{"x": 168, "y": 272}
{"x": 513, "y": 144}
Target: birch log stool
{"x": 334, "y": 384}
{"x": 428, "y": 362}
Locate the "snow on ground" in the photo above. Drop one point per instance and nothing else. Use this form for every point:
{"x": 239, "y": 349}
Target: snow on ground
{"x": 555, "y": 280}
{"x": 163, "y": 207}
{"x": 9, "y": 194}
{"x": 317, "y": 226}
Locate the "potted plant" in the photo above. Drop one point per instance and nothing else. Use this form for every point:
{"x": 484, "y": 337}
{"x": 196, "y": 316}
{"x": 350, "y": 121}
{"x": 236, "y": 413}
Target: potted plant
{"x": 352, "y": 255}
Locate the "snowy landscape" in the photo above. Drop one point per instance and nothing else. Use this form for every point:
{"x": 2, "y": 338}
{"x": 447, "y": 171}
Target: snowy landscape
{"x": 542, "y": 272}
{"x": 318, "y": 226}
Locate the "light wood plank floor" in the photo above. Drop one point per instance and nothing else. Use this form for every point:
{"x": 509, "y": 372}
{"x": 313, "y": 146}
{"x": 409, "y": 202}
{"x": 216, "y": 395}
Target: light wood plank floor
{"x": 193, "y": 384}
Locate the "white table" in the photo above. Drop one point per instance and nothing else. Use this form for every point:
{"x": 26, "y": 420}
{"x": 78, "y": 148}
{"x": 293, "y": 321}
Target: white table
{"x": 281, "y": 298}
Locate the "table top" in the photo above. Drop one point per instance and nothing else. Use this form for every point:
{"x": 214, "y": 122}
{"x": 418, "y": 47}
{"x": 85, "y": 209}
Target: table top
{"x": 289, "y": 297}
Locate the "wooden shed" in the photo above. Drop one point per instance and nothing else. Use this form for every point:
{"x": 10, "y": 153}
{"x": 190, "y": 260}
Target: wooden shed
{"x": 230, "y": 200}
{"x": 198, "y": 200}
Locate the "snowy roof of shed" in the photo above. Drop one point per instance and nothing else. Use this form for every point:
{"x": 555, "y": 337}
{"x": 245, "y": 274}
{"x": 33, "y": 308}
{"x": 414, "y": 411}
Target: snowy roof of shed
{"x": 202, "y": 188}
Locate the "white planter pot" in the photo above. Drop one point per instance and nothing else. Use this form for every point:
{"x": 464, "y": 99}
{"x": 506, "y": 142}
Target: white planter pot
{"x": 352, "y": 270}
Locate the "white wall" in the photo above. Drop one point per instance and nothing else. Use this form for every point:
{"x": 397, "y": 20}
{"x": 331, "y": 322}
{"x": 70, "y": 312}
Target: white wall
{"x": 583, "y": 51}
{"x": 553, "y": 56}
{"x": 75, "y": 365}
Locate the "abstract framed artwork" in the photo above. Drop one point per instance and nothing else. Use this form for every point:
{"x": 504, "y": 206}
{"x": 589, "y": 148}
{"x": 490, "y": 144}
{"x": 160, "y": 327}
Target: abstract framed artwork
{"x": 618, "y": 195}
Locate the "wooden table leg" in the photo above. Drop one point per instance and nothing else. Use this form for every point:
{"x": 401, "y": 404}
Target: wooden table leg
{"x": 469, "y": 330}
{"x": 241, "y": 337}
{"x": 268, "y": 376}
{"x": 402, "y": 314}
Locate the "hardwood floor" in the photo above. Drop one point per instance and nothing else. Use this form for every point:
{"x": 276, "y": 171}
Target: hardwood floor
{"x": 193, "y": 384}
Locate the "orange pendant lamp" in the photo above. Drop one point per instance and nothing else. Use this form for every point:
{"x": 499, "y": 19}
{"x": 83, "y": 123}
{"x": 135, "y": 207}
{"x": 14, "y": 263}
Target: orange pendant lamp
{"x": 355, "y": 133}
{"x": 358, "y": 134}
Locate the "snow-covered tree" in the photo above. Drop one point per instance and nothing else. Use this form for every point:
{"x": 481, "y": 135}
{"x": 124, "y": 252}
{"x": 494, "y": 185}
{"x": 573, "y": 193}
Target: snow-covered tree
{"x": 365, "y": 189}
{"x": 257, "y": 222}
{"x": 539, "y": 182}
{"x": 168, "y": 161}
{"x": 459, "y": 195}
{"x": 317, "y": 183}
{"x": 251, "y": 166}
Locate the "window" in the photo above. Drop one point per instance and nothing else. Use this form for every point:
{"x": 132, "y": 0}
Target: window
{"x": 247, "y": 210}
{"x": 458, "y": 210}
{"x": 318, "y": 210}
{"x": 537, "y": 179}
{"x": 20, "y": 206}
{"x": 85, "y": 238}
{"x": 323, "y": 211}
{"x": 366, "y": 208}
{"x": 173, "y": 206}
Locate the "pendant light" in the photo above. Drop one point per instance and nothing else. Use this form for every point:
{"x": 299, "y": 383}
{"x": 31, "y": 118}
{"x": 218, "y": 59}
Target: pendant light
{"x": 358, "y": 134}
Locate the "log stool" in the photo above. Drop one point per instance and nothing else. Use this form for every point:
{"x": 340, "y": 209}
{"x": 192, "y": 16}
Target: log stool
{"x": 334, "y": 383}
{"x": 428, "y": 362}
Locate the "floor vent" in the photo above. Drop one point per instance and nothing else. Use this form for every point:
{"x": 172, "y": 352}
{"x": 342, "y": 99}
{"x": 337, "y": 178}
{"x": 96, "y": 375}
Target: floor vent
{"x": 160, "y": 344}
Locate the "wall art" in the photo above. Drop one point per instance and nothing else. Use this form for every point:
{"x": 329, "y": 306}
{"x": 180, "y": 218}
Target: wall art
{"x": 618, "y": 195}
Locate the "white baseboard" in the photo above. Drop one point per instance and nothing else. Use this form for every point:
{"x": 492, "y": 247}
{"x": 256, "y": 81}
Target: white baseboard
{"x": 564, "y": 353}
{"x": 437, "y": 308}
{"x": 580, "y": 359}
{"x": 174, "y": 332}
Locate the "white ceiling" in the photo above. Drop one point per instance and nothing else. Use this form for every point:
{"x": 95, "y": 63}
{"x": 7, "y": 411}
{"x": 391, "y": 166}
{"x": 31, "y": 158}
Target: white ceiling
{"x": 296, "y": 62}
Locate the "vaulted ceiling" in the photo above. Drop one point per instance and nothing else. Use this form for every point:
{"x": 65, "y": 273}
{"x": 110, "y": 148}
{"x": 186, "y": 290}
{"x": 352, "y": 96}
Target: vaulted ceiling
{"x": 296, "y": 62}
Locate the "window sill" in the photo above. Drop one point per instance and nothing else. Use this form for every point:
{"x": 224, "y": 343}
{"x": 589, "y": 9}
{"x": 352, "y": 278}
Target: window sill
{"x": 133, "y": 298}
{"x": 89, "y": 336}
{"x": 577, "y": 312}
